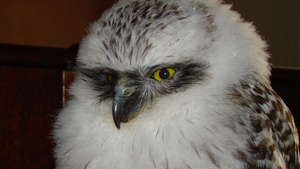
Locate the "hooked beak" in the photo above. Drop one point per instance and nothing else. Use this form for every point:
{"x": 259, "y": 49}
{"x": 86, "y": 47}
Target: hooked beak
{"x": 126, "y": 104}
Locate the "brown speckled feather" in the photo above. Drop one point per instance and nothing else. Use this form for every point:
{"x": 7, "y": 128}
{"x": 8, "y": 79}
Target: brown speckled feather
{"x": 273, "y": 141}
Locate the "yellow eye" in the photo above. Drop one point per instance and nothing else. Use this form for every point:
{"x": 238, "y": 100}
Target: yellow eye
{"x": 164, "y": 74}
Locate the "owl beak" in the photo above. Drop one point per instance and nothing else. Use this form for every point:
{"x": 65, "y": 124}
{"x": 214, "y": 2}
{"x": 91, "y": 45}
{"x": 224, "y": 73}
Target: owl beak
{"x": 125, "y": 105}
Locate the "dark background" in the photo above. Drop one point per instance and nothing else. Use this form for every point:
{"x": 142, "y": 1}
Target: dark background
{"x": 34, "y": 67}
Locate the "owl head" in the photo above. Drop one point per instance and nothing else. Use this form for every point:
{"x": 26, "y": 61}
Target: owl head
{"x": 151, "y": 59}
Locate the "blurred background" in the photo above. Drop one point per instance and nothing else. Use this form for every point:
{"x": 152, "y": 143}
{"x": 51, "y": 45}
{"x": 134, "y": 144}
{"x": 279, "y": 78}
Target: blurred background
{"x": 37, "y": 52}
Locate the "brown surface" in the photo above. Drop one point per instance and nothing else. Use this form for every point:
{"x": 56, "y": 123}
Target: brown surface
{"x": 68, "y": 78}
{"x": 30, "y": 99}
{"x": 41, "y": 57}
{"x": 56, "y": 23}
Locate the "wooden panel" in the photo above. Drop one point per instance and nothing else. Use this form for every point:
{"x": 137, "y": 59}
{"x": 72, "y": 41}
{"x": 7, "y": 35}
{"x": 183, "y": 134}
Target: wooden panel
{"x": 68, "y": 78}
{"x": 30, "y": 99}
{"x": 56, "y": 23}
{"x": 41, "y": 57}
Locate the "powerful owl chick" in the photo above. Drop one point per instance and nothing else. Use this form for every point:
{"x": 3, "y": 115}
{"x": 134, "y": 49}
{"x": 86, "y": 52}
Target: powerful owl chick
{"x": 174, "y": 84}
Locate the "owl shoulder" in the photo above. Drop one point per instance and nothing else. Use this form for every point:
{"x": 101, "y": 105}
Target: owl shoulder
{"x": 273, "y": 138}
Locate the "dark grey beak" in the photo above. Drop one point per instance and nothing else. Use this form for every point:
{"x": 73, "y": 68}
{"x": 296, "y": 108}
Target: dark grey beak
{"x": 126, "y": 104}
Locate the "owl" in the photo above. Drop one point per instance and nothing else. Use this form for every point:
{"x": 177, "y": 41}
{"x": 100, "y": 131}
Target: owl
{"x": 174, "y": 84}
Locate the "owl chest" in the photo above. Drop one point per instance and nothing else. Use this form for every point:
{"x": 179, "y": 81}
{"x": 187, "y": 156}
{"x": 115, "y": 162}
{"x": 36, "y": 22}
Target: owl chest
{"x": 165, "y": 151}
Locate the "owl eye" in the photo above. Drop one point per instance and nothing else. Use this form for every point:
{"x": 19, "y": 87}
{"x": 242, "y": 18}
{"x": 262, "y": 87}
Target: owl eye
{"x": 109, "y": 77}
{"x": 105, "y": 77}
{"x": 163, "y": 74}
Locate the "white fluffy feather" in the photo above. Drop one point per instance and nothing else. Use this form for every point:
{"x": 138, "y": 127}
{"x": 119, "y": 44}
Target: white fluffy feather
{"x": 167, "y": 134}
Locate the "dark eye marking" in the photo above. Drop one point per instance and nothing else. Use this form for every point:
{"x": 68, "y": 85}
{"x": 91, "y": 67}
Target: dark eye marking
{"x": 135, "y": 76}
{"x": 190, "y": 73}
{"x": 187, "y": 73}
{"x": 104, "y": 76}
{"x": 101, "y": 79}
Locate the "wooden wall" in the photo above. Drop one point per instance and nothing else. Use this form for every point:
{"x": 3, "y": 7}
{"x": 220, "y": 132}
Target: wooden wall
{"x": 30, "y": 100}
{"x": 51, "y": 23}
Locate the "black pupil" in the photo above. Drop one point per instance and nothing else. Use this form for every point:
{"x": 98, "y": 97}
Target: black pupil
{"x": 164, "y": 74}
